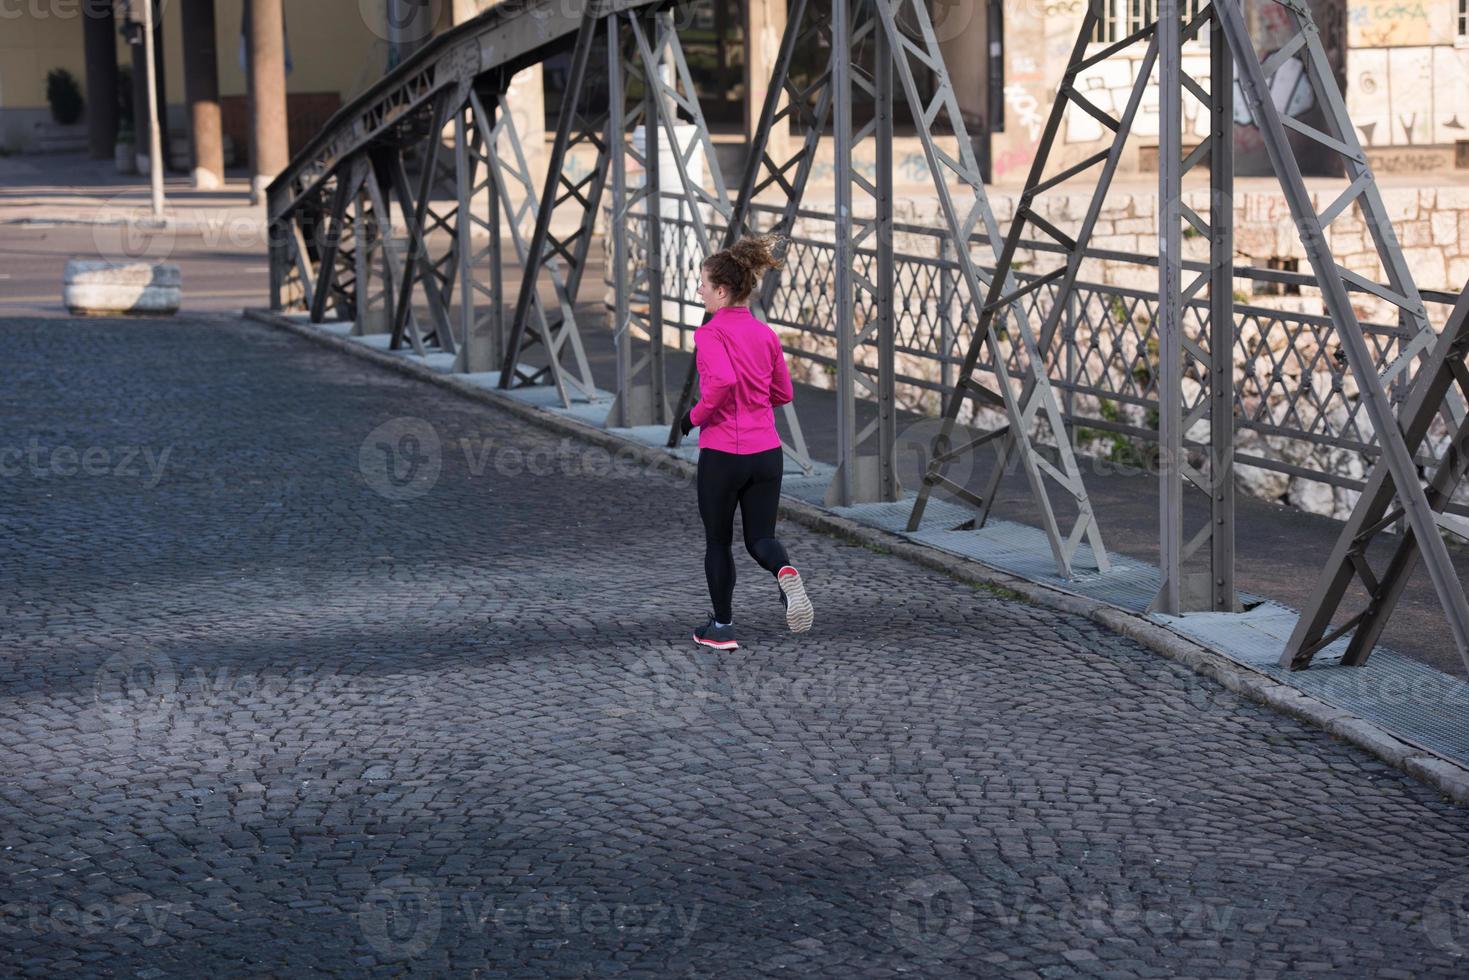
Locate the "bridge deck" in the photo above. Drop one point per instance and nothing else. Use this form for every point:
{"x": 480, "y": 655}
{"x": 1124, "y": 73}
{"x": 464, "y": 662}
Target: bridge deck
{"x": 264, "y": 716}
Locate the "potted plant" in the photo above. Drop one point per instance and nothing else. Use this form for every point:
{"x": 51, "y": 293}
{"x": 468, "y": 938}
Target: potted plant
{"x": 64, "y": 96}
{"x": 62, "y": 134}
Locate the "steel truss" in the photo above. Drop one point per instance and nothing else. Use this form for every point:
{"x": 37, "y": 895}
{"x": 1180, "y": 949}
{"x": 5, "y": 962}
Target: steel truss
{"x": 1376, "y": 511}
{"x": 863, "y": 264}
{"x": 1037, "y": 399}
{"x": 333, "y": 250}
{"x": 1431, "y": 389}
{"x": 644, "y": 57}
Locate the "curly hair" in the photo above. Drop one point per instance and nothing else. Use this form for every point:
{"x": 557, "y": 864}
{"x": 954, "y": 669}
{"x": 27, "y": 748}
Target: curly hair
{"x": 739, "y": 267}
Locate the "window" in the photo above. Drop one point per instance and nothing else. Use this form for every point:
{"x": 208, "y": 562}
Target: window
{"x": 1121, "y": 18}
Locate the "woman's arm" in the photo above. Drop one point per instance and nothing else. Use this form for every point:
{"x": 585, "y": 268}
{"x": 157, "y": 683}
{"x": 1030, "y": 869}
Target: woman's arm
{"x": 716, "y": 379}
{"x": 781, "y": 391}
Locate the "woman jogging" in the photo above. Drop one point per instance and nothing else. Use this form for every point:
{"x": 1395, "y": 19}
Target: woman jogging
{"x": 742, "y": 378}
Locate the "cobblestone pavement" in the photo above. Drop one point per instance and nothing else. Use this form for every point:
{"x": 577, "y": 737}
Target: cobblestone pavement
{"x": 308, "y": 666}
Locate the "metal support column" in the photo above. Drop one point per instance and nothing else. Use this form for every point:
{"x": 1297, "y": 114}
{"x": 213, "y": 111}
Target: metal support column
{"x": 843, "y": 492}
{"x": 1190, "y": 346}
{"x": 574, "y": 128}
{"x": 1220, "y": 370}
{"x": 863, "y": 313}
{"x": 1025, "y": 363}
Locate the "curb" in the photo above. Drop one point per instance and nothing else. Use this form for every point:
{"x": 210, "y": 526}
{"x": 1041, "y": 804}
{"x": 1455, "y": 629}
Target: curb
{"x": 1445, "y": 775}
{"x": 189, "y": 225}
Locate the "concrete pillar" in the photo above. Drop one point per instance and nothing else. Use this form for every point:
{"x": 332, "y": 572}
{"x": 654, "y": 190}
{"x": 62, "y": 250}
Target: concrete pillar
{"x": 765, "y": 24}
{"x": 267, "y": 57}
{"x": 100, "y": 40}
{"x": 201, "y": 83}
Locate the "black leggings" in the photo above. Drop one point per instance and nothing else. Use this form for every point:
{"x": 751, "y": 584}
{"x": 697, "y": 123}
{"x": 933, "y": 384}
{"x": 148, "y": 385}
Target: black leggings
{"x": 753, "y": 483}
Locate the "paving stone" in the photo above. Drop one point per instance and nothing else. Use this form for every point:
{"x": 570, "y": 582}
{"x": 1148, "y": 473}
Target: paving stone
{"x": 273, "y": 712}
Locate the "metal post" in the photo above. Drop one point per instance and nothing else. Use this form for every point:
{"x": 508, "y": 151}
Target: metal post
{"x": 1169, "y": 321}
{"x": 844, "y": 486}
{"x": 464, "y": 234}
{"x": 621, "y": 414}
{"x": 155, "y": 138}
{"x": 279, "y": 260}
{"x": 1221, "y": 320}
{"x": 888, "y": 488}
{"x": 655, "y": 111}
{"x": 410, "y": 272}
{"x": 362, "y": 261}
{"x": 496, "y": 249}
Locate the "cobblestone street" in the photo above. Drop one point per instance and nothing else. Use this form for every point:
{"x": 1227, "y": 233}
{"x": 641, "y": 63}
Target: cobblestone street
{"x": 309, "y": 666}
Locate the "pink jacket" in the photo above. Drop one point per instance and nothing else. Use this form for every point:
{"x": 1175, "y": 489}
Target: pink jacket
{"x": 742, "y": 378}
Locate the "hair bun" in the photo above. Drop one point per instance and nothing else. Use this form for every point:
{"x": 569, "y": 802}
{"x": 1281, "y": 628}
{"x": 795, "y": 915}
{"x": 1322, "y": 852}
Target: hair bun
{"x": 756, "y": 253}
{"x": 739, "y": 267}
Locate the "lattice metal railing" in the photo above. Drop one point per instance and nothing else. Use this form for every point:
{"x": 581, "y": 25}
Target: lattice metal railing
{"x": 1291, "y": 382}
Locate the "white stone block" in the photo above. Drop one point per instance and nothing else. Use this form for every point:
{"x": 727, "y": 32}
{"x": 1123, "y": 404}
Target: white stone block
{"x": 100, "y": 287}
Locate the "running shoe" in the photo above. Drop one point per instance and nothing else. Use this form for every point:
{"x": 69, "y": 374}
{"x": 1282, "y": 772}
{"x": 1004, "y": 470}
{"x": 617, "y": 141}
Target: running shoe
{"x": 799, "y": 614}
{"x": 718, "y": 637}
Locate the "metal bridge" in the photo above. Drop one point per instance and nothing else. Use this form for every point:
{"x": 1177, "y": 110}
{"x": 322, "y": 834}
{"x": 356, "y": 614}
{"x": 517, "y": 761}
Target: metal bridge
{"x": 1028, "y": 339}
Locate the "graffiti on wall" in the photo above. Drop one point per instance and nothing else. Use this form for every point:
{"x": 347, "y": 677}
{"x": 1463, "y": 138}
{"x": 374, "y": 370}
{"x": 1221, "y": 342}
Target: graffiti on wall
{"x": 1108, "y": 86}
{"x": 1410, "y": 96}
{"x": 1399, "y": 23}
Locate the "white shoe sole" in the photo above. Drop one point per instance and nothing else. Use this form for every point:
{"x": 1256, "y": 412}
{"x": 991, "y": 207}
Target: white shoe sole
{"x": 717, "y": 644}
{"x": 799, "y": 614}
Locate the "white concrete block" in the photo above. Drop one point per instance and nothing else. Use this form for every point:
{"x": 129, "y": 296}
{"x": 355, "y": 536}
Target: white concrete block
{"x": 90, "y": 286}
